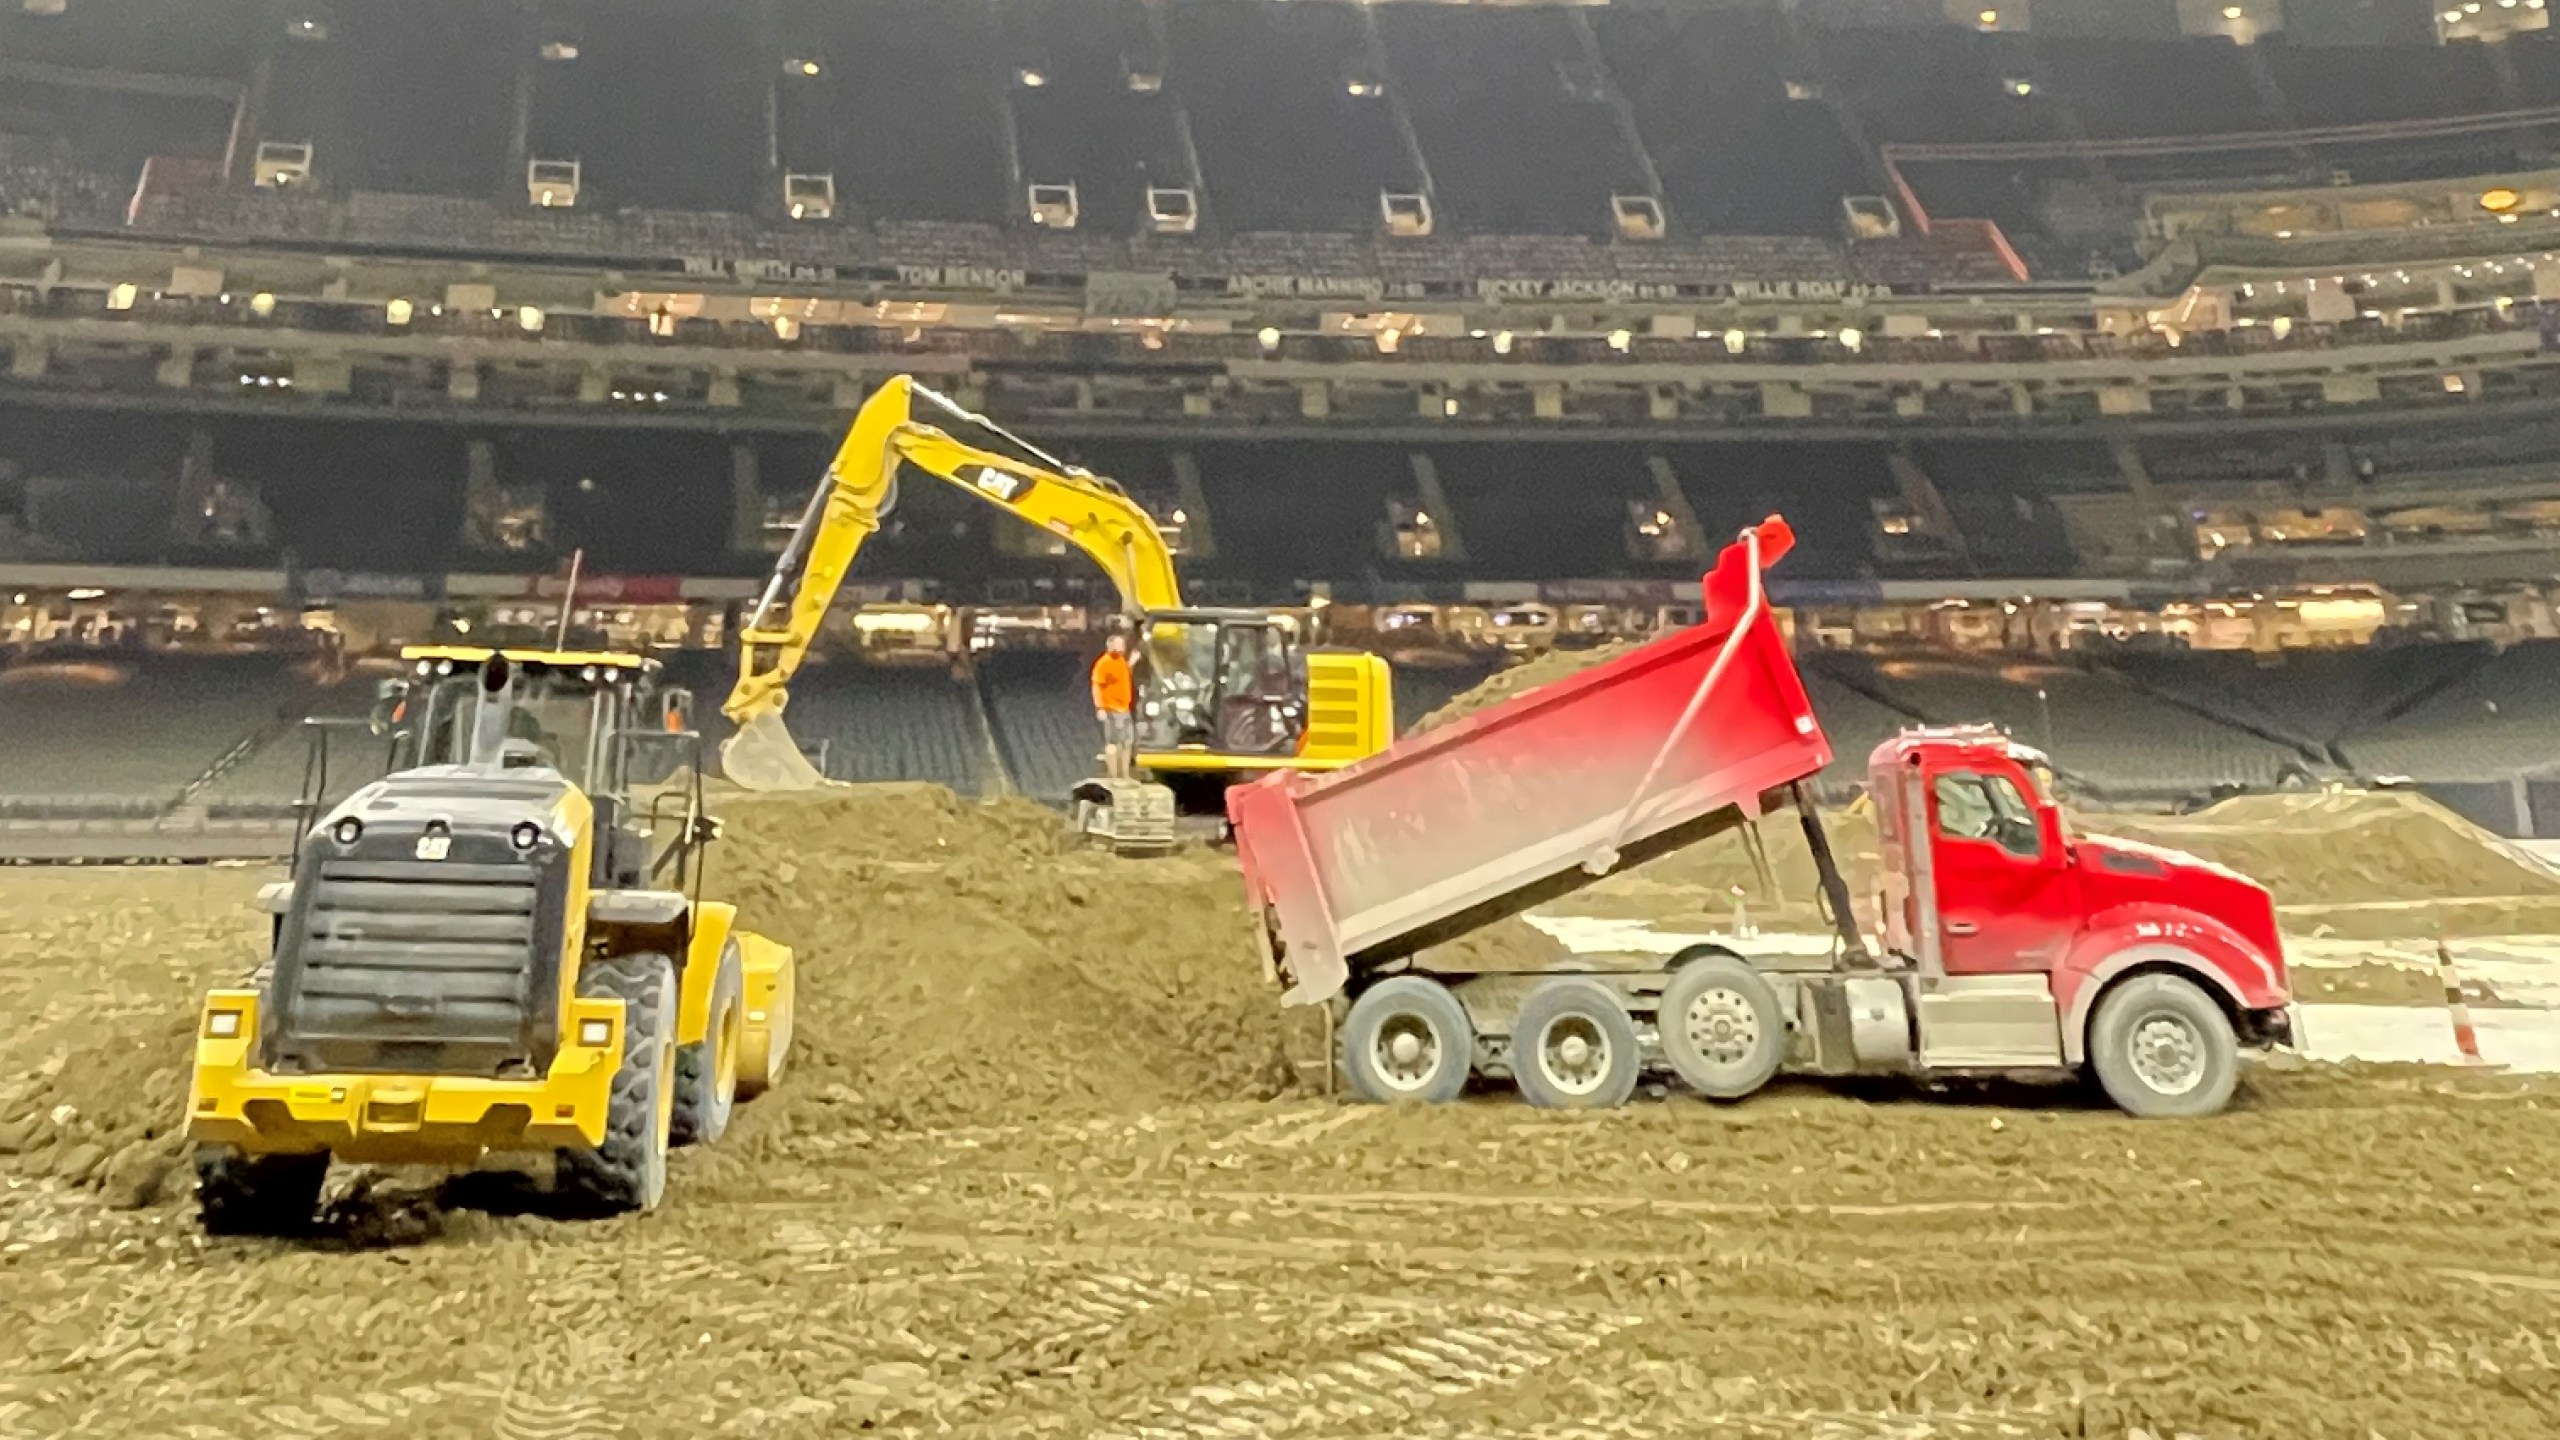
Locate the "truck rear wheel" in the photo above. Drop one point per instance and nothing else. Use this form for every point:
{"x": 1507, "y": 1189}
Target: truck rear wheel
{"x": 1573, "y": 1047}
{"x": 1722, "y": 1027}
{"x": 2163, "y": 1049}
{"x": 1407, "y": 1039}
{"x": 629, "y": 1170}
{"x": 707, "y": 1070}
{"x": 270, "y": 1195}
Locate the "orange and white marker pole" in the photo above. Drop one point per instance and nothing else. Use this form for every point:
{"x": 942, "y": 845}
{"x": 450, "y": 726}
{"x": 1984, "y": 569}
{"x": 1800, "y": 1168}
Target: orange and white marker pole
{"x": 2465, "y": 1037}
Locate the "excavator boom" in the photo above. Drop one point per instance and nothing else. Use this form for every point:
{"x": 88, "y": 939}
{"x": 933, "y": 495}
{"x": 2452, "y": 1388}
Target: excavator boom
{"x": 858, "y": 491}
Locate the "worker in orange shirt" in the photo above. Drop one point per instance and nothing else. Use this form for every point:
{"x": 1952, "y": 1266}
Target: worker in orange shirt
{"x": 1113, "y": 691}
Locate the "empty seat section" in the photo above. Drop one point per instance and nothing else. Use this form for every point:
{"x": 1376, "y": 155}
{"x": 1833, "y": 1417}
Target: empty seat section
{"x": 2130, "y": 88}
{"x": 421, "y": 99}
{"x": 1736, "y": 155}
{"x": 904, "y": 109}
{"x": 2499, "y": 719}
{"x": 128, "y": 734}
{"x": 371, "y": 497}
{"x": 1823, "y": 490}
{"x": 880, "y": 722}
{"x": 2311, "y": 697}
{"x": 112, "y": 131}
{"x": 1295, "y": 511}
{"x": 663, "y": 108}
{"x": 2354, "y": 84}
{"x": 1514, "y": 120}
{"x": 1284, "y": 144}
{"x": 208, "y": 38}
{"x": 2099, "y": 728}
{"x": 1539, "y": 512}
{"x": 1086, "y": 123}
{"x": 1939, "y": 84}
{"x": 1045, "y": 732}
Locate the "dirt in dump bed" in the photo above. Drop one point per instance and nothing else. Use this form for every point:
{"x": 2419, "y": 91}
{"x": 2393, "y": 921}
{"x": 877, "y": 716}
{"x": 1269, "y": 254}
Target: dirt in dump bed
{"x": 1519, "y": 679}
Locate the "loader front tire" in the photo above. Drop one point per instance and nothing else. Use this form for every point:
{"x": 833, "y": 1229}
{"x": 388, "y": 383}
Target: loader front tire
{"x": 707, "y": 1070}
{"x": 628, "y": 1171}
{"x": 269, "y": 1195}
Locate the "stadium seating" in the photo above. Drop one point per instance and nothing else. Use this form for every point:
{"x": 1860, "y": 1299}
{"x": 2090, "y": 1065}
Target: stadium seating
{"x": 2311, "y": 698}
{"x": 1290, "y": 511}
{"x": 876, "y": 722}
{"x": 422, "y": 100}
{"x": 1099, "y": 119}
{"x": 1708, "y": 88}
{"x": 902, "y": 112}
{"x": 1284, "y": 144}
{"x": 2101, "y": 730}
{"x": 116, "y": 736}
{"x": 214, "y": 39}
{"x": 664, "y": 106}
{"x": 1505, "y": 498}
{"x": 1043, "y": 723}
{"x": 1518, "y": 126}
{"x": 2499, "y": 719}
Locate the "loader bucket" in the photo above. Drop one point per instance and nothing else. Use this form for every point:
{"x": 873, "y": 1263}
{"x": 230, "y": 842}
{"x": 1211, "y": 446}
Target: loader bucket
{"x": 763, "y": 756}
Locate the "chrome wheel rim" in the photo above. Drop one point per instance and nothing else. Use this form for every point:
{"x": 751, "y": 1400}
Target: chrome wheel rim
{"x": 2167, "y": 1053}
{"x": 1722, "y": 1027}
{"x": 1574, "y": 1054}
{"x": 1406, "y": 1054}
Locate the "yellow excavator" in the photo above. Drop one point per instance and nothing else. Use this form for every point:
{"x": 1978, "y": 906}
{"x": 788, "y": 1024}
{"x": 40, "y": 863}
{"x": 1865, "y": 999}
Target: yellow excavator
{"x": 1222, "y": 694}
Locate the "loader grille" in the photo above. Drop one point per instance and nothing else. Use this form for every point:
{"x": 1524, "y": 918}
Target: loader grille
{"x": 410, "y": 966}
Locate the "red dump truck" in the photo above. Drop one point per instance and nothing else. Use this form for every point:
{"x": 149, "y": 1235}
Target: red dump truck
{"x": 2011, "y": 946}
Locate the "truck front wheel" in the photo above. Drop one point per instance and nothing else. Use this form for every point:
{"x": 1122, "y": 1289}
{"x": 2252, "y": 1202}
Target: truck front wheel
{"x": 1722, "y": 1027}
{"x": 2163, "y": 1049}
{"x": 1407, "y": 1039}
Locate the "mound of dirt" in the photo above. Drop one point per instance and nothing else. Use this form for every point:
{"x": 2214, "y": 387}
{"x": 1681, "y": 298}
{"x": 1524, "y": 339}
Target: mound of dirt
{"x": 968, "y": 962}
{"x": 1519, "y": 679}
{"x": 2345, "y": 847}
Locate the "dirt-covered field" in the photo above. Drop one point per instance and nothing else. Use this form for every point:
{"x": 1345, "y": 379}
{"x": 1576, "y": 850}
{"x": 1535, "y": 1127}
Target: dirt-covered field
{"x": 1049, "y": 1167}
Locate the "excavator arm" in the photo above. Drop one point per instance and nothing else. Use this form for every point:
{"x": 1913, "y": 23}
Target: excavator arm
{"x": 857, "y": 492}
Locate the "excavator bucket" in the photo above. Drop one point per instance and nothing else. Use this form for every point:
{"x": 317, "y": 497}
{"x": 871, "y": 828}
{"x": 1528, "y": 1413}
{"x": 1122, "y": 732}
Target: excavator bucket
{"x": 763, "y": 756}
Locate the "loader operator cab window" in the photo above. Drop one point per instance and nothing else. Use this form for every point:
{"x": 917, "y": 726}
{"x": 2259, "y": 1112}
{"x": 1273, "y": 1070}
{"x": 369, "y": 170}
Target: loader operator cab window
{"x": 552, "y": 722}
{"x": 1987, "y": 807}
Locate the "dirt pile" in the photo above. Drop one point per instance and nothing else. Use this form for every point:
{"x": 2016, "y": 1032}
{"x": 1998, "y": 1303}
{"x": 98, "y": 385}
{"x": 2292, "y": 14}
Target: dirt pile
{"x": 961, "y": 961}
{"x": 1520, "y": 679}
{"x": 2344, "y": 847}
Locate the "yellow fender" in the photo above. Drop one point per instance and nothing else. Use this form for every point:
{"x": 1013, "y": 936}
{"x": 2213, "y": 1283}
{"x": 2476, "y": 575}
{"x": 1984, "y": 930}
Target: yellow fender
{"x": 712, "y": 922}
{"x": 771, "y": 986}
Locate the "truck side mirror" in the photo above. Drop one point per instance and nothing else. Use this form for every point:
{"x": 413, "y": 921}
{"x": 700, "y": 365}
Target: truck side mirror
{"x": 390, "y": 706}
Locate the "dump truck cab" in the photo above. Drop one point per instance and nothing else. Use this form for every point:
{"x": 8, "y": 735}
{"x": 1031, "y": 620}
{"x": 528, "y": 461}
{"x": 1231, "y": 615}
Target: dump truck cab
{"x": 2015, "y": 926}
{"x": 497, "y": 946}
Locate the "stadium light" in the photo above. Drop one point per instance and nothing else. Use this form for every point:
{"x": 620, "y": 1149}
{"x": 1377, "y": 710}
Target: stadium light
{"x": 786, "y": 328}
{"x": 1851, "y": 339}
{"x": 1031, "y": 77}
{"x": 398, "y": 312}
{"x": 1501, "y": 342}
{"x": 1270, "y": 337}
{"x": 530, "y": 318}
{"x": 123, "y": 296}
{"x": 1735, "y": 342}
{"x": 1620, "y": 340}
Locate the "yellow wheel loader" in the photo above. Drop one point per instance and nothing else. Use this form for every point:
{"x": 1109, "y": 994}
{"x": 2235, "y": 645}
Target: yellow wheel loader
{"x": 1222, "y": 694}
{"x": 497, "y": 947}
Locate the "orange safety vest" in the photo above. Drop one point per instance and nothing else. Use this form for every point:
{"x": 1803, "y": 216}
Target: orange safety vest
{"x": 1112, "y": 689}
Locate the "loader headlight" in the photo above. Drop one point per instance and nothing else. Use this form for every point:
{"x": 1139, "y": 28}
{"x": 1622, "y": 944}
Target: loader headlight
{"x": 223, "y": 1025}
{"x": 594, "y": 1034}
{"x": 347, "y": 831}
{"x": 525, "y": 836}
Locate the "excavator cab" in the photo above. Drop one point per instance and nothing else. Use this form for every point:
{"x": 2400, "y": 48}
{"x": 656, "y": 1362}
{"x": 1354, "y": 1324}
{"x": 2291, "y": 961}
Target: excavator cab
{"x": 1216, "y": 682}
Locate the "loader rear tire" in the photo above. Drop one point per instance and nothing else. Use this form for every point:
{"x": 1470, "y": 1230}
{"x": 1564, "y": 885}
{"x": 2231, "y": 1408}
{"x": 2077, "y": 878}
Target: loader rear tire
{"x": 2162, "y": 1049}
{"x": 1574, "y": 1048}
{"x": 629, "y": 1170}
{"x": 707, "y": 1070}
{"x": 269, "y": 1195}
{"x": 1407, "y": 1041}
{"x": 1722, "y": 1027}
